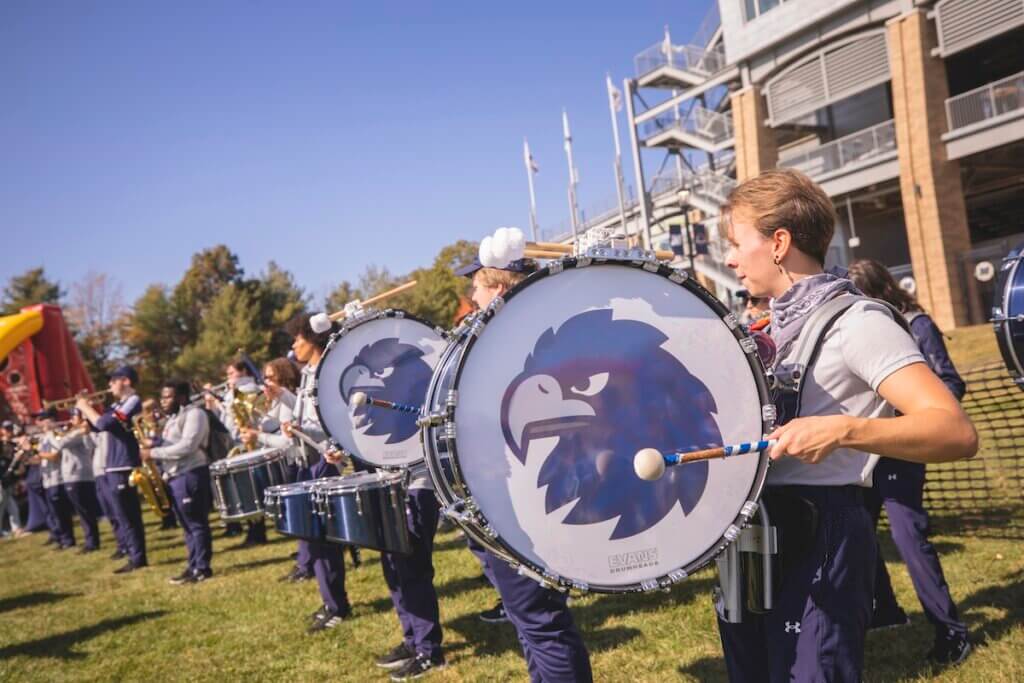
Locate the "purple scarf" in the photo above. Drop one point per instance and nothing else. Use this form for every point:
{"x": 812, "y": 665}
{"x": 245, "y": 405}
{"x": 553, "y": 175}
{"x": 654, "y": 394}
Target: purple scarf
{"x": 791, "y": 310}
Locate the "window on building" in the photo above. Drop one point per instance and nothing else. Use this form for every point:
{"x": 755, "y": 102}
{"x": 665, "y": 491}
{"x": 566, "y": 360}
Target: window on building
{"x": 755, "y": 8}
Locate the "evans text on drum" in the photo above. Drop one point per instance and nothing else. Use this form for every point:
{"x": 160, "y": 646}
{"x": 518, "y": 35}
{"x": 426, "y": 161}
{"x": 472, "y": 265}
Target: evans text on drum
{"x": 538, "y": 406}
{"x": 387, "y": 355}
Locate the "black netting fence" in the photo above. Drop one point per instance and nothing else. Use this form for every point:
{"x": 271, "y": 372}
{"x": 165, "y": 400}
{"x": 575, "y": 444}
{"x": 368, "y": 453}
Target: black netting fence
{"x": 984, "y": 496}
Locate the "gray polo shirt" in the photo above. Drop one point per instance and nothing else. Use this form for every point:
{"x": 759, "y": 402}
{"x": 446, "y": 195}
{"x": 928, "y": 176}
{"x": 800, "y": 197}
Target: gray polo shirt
{"x": 49, "y": 470}
{"x": 75, "y": 457}
{"x": 99, "y": 453}
{"x": 185, "y": 434}
{"x": 861, "y": 349}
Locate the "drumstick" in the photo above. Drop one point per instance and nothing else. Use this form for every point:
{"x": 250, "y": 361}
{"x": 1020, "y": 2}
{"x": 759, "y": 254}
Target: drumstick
{"x": 650, "y": 463}
{"x": 551, "y": 249}
{"x": 309, "y": 441}
{"x": 338, "y": 315}
{"x": 359, "y": 398}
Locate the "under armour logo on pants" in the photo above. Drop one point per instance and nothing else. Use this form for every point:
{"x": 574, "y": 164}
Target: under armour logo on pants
{"x": 792, "y": 627}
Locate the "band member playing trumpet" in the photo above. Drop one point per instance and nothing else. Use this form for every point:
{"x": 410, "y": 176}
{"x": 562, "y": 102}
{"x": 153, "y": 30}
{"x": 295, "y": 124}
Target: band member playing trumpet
{"x": 122, "y": 456}
{"x": 59, "y": 507}
{"x": 328, "y": 561}
{"x": 9, "y": 466}
{"x": 188, "y": 476}
{"x": 76, "y": 447}
{"x": 552, "y": 644}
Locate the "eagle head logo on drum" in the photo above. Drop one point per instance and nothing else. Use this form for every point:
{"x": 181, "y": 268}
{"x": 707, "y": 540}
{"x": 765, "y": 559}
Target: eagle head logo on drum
{"x": 390, "y": 370}
{"x": 606, "y": 388}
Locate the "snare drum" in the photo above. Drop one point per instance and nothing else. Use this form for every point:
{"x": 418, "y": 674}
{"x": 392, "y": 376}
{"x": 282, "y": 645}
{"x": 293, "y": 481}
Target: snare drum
{"x": 388, "y": 355}
{"x": 239, "y": 481}
{"x": 366, "y": 509}
{"x": 1008, "y": 314}
{"x": 292, "y": 509}
{"x": 539, "y": 405}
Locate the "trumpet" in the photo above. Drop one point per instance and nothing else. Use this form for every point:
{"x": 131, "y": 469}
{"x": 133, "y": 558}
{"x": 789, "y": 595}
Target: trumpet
{"x": 215, "y": 389}
{"x": 65, "y": 403}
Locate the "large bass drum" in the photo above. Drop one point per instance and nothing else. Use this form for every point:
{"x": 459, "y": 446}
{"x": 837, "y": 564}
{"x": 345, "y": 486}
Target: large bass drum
{"x": 388, "y": 355}
{"x": 540, "y": 403}
{"x": 1008, "y": 313}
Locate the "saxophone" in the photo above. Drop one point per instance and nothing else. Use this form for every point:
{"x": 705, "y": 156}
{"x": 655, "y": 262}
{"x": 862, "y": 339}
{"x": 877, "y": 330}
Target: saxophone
{"x": 148, "y": 424}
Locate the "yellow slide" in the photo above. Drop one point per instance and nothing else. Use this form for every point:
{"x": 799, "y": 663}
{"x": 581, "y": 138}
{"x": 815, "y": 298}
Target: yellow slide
{"x": 16, "y": 328}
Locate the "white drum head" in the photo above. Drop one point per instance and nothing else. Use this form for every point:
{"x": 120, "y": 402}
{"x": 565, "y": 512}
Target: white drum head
{"x": 575, "y": 374}
{"x": 386, "y": 357}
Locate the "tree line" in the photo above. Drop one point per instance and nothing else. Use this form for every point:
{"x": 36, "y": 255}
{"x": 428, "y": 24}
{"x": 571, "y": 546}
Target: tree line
{"x": 193, "y": 328}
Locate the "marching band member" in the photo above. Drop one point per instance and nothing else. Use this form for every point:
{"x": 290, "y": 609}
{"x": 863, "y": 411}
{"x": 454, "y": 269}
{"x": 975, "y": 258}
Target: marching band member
{"x": 328, "y": 560}
{"x": 38, "y": 508}
{"x": 241, "y": 377}
{"x": 280, "y": 375}
{"x": 122, "y": 456}
{"x": 49, "y": 467}
{"x": 187, "y": 469}
{"x": 9, "y": 466}
{"x": 76, "y": 454}
{"x": 552, "y": 644}
{"x": 779, "y": 227}
{"x": 899, "y": 485}
{"x": 104, "y": 496}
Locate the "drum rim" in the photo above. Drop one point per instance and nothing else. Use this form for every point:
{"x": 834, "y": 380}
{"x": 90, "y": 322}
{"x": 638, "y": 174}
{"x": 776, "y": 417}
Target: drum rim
{"x": 366, "y": 316}
{"x": 382, "y": 479}
{"x": 292, "y": 486}
{"x": 462, "y": 346}
{"x": 223, "y": 466}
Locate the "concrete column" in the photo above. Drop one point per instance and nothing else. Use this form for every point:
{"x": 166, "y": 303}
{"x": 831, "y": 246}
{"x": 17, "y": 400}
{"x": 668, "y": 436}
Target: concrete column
{"x": 933, "y": 198}
{"x": 756, "y": 150}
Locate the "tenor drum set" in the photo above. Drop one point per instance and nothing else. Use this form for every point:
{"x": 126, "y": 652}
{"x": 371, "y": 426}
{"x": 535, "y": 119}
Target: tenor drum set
{"x": 527, "y": 418}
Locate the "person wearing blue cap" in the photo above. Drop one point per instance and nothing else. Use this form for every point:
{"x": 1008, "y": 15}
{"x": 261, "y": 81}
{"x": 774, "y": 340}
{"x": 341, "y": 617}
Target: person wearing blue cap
{"x": 551, "y": 642}
{"x": 122, "y": 458}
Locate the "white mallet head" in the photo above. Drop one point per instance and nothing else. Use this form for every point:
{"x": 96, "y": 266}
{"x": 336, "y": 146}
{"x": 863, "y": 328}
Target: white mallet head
{"x": 516, "y": 244}
{"x": 500, "y": 247}
{"x": 321, "y": 322}
{"x": 358, "y": 399}
{"x": 648, "y": 464}
{"x": 487, "y": 254}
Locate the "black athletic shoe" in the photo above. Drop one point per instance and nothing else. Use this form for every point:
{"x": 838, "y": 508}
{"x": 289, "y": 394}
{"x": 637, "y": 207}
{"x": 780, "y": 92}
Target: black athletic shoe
{"x": 951, "y": 649}
{"x": 399, "y": 656}
{"x": 889, "y": 619}
{"x": 299, "y": 576}
{"x": 421, "y": 665}
{"x": 117, "y": 554}
{"x": 181, "y": 579}
{"x": 327, "y": 620}
{"x": 199, "y": 577}
{"x": 495, "y": 615}
{"x": 321, "y": 610}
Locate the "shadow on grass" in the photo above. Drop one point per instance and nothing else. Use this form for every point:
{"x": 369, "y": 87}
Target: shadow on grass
{"x": 706, "y": 669}
{"x": 61, "y": 646}
{"x": 589, "y": 616}
{"x": 245, "y": 566}
{"x": 32, "y": 599}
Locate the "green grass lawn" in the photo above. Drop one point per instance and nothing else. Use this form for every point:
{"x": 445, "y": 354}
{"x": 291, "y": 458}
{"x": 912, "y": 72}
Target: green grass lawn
{"x": 66, "y": 617}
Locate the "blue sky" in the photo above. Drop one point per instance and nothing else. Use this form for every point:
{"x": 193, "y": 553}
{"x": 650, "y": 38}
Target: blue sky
{"x": 325, "y": 136}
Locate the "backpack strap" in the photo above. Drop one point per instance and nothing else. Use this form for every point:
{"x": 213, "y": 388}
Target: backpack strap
{"x": 789, "y": 376}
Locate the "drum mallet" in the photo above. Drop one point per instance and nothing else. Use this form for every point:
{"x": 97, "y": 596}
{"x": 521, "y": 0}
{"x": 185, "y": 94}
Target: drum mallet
{"x": 650, "y": 463}
{"x": 359, "y": 398}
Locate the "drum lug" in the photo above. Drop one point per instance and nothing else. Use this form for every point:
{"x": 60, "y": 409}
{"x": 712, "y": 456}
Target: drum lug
{"x": 431, "y": 420}
{"x": 677, "y": 575}
{"x": 543, "y": 579}
{"x": 359, "y": 504}
{"x": 748, "y": 509}
{"x": 731, "y": 321}
{"x": 678, "y": 276}
{"x": 556, "y": 267}
{"x": 649, "y": 585}
{"x": 769, "y": 414}
{"x": 748, "y": 345}
{"x": 581, "y": 586}
{"x": 497, "y": 304}
{"x": 477, "y": 326}
{"x": 651, "y": 266}
{"x": 452, "y": 400}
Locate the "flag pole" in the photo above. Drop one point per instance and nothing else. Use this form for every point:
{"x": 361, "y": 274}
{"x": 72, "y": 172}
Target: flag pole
{"x": 530, "y": 170}
{"x": 614, "y": 104}
{"x": 573, "y": 206}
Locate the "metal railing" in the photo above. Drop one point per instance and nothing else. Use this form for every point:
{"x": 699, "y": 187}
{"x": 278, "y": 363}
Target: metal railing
{"x": 692, "y": 58}
{"x": 987, "y": 102}
{"x": 851, "y": 149}
{"x": 697, "y": 121}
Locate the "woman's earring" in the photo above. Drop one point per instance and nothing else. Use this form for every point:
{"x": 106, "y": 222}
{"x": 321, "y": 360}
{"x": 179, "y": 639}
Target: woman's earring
{"x": 777, "y": 264}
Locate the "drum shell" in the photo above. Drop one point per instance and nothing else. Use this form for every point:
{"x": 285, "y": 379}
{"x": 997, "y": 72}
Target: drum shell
{"x": 368, "y": 517}
{"x": 238, "y": 492}
{"x": 1009, "y": 305}
{"x": 292, "y": 511}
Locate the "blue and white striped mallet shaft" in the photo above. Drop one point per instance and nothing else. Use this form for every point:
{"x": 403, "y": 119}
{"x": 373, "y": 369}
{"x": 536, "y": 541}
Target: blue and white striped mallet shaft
{"x": 650, "y": 463}
{"x": 359, "y": 398}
